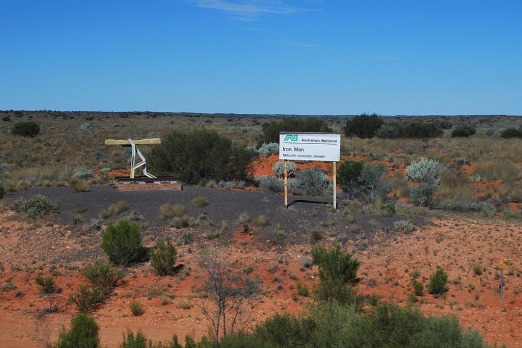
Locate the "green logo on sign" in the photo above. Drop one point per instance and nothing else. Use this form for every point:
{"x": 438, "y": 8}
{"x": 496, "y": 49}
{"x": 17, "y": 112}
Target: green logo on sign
{"x": 291, "y": 137}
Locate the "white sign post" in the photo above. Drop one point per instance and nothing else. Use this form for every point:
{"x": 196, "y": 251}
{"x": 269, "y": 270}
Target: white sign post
{"x": 323, "y": 147}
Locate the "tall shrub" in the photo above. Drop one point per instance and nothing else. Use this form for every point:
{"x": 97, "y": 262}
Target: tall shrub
{"x": 25, "y": 128}
{"x": 337, "y": 274}
{"x": 122, "y": 242}
{"x": 295, "y": 124}
{"x": 420, "y": 129}
{"x": 82, "y": 334}
{"x": 348, "y": 175}
{"x": 163, "y": 257}
{"x": 363, "y": 126}
{"x": 200, "y": 155}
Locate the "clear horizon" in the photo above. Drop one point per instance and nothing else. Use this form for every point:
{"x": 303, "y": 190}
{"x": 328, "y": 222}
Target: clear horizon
{"x": 270, "y": 57}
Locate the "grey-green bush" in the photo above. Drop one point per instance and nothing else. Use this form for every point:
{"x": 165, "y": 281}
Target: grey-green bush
{"x": 122, "y": 243}
{"x": 310, "y": 182}
{"x": 37, "y": 205}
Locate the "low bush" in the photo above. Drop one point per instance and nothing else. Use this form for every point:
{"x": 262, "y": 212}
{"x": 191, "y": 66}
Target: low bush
{"x": 363, "y": 126}
{"x": 422, "y": 130}
{"x": 163, "y": 257}
{"x": 310, "y": 182}
{"x": 262, "y": 220}
{"x": 373, "y": 180}
{"x": 404, "y": 226}
{"x": 199, "y": 201}
{"x": 168, "y": 211}
{"x": 425, "y": 171}
{"x": 122, "y": 243}
{"x": 464, "y": 130}
{"x": 115, "y": 208}
{"x": 25, "y": 128}
{"x": 47, "y": 285}
{"x": 82, "y": 334}
{"x": 103, "y": 275}
{"x": 422, "y": 194}
{"x": 418, "y": 288}
{"x": 348, "y": 175}
{"x": 79, "y": 185}
{"x": 391, "y": 130}
{"x": 438, "y": 283}
{"x": 36, "y": 206}
{"x": 279, "y": 168}
{"x": 268, "y": 149}
{"x": 136, "y": 308}
{"x": 89, "y": 298}
{"x": 511, "y": 133}
{"x": 270, "y": 184}
{"x": 294, "y": 124}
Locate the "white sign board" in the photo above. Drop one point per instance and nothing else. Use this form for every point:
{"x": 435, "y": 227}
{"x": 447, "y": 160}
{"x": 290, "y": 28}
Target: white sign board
{"x": 324, "y": 147}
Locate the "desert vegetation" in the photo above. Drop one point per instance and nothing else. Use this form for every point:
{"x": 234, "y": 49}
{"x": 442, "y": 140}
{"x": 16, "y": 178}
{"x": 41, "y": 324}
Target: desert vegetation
{"x": 225, "y": 262}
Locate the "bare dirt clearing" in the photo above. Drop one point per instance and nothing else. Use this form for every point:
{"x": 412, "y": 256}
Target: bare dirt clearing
{"x": 388, "y": 262}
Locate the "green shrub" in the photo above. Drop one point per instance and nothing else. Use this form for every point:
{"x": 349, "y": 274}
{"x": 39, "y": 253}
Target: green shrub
{"x": 348, "y": 175}
{"x": 140, "y": 341}
{"x": 25, "y": 128}
{"x": 363, "y": 126}
{"x": 163, "y": 257}
{"x": 200, "y": 155}
{"x": 464, "y": 130}
{"x": 37, "y": 205}
{"x": 391, "y": 130}
{"x": 89, "y": 298}
{"x": 337, "y": 274}
{"x": 418, "y": 288}
{"x": 47, "y": 285}
{"x": 136, "y": 308}
{"x": 302, "y": 289}
{"x": 271, "y": 130}
{"x": 122, "y": 243}
{"x": 103, "y": 275}
{"x": 438, "y": 282}
{"x": 286, "y": 331}
{"x": 511, "y": 133}
{"x": 420, "y": 129}
{"x": 422, "y": 195}
{"x": 82, "y": 334}
{"x": 6, "y": 119}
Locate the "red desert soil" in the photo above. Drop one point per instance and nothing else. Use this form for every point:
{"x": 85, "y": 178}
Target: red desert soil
{"x": 171, "y": 304}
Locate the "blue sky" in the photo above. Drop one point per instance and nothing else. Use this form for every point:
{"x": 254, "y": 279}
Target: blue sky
{"x": 345, "y": 57}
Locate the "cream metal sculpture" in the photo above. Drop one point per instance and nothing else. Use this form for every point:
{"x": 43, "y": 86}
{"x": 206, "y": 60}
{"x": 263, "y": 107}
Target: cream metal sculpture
{"x": 136, "y": 151}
